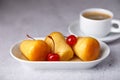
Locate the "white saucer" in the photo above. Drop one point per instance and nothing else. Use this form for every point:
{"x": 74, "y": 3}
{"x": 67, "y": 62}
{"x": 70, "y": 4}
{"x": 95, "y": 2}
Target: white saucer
{"x": 75, "y": 29}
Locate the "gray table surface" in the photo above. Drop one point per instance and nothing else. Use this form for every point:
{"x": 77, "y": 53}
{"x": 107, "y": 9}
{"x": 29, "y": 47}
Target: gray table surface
{"x": 39, "y": 18}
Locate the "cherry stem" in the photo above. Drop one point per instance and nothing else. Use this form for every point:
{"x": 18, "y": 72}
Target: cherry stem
{"x": 30, "y": 37}
{"x": 53, "y": 43}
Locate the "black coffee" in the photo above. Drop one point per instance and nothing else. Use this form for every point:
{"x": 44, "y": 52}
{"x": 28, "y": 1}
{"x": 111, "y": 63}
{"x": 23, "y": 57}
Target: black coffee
{"x": 96, "y": 15}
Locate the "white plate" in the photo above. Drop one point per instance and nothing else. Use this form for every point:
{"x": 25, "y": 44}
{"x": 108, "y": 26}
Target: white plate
{"x": 75, "y": 29}
{"x": 75, "y": 63}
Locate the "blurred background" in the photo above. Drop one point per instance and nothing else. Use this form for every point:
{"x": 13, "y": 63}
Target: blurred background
{"x": 38, "y": 18}
{"x": 43, "y": 16}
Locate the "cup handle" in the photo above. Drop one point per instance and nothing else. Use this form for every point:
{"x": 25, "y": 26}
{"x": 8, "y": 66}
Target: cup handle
{"x": 113, "y": 29}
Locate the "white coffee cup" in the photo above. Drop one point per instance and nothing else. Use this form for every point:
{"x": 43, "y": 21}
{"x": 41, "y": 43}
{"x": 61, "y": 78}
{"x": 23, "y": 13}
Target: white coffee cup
{"x": 98, "y": 28}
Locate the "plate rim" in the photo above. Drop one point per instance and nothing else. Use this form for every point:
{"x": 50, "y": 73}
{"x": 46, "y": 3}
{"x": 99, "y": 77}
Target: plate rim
{"x": 27, "y": 61}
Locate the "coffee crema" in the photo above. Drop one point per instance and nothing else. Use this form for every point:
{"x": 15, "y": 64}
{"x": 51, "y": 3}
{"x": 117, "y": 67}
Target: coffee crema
{"x": 96, "y": 15}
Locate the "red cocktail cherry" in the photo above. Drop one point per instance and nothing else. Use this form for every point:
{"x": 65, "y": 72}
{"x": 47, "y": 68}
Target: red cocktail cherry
{"x": 71, "y": 40}
{"x": 53, "y": 56}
